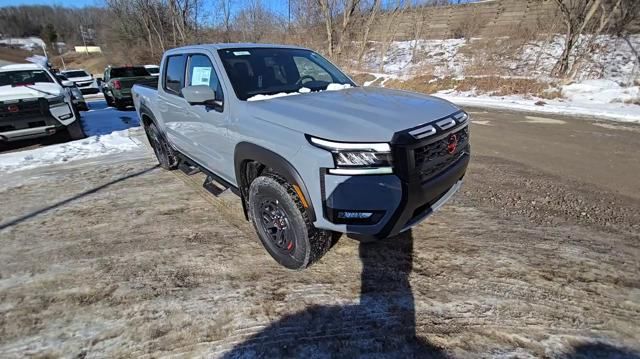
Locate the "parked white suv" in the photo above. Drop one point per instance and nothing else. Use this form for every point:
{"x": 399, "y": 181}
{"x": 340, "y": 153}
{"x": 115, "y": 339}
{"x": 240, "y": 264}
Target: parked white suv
{"x": 34, "y": 104}
{"x": 84, "y": 80}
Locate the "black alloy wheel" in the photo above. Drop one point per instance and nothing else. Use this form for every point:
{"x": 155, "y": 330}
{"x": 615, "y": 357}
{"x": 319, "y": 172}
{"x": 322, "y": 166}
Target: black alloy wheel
{"x": 274, "y": 224}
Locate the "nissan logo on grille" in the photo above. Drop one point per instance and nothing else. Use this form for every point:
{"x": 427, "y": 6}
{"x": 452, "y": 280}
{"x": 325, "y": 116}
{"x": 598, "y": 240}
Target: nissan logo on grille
{"x": 453, "y": 143}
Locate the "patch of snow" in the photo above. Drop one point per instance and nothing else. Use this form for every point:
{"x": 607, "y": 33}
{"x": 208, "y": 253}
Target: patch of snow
{"x": 600, "y": 91}
{"x": 610, "y": 59}
{"x": 108, "y": 131}
{"x": 303, "y": 90}
{"x": 617, "y": 127}
{"x": 337, "y": 87}
{"x": 25, "y": 43}
{"x": 611, "y": 111}
{"x": 89, "y": 147}
{"x": 268, "y": 97}
{"x": 544, "y": 120}
{"x": 442, "y": 56}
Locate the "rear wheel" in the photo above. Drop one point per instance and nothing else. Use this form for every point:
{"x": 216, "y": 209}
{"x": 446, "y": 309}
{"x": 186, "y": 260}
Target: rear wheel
{"x": 109, "y": 100}
{"x": 283, "y": 224}
{"x": 164, "y": 153}
{"x": 120, "y": 106}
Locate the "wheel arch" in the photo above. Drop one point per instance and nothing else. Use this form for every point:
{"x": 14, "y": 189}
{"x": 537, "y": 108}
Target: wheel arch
{"x": 246, "y": 153}
{"x": 146, "y": 116}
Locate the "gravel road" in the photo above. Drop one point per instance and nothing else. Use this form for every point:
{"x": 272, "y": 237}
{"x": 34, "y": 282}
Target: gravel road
{"x": 537, "y": 256}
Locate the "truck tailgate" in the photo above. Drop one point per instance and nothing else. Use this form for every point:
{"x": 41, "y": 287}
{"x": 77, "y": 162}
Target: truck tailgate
{"x": 128, "y": 82}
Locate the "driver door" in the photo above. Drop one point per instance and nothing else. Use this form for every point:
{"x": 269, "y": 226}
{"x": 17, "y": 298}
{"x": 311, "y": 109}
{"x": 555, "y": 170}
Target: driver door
{"x": 211, "y": 144}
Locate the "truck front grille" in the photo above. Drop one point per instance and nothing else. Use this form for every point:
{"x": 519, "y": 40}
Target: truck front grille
{"x": 24, "y": 109}
{"x": 435, "y": 157}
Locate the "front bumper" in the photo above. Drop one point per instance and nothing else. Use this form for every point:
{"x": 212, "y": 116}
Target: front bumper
{"x": 427, "y": 173}
{"x": 396, "y": 205}
{"x": 33, "y": 118}
{"x": 87, "y": 87}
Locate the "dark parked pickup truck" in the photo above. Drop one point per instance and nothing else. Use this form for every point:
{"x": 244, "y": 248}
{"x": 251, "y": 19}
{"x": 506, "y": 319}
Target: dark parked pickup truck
{"x": 309, "y": 152}
{"x": 119, "y": 80}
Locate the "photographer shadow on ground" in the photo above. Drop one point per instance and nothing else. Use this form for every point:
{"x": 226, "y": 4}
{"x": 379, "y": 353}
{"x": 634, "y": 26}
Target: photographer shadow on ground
{"x": 382, "y": 324}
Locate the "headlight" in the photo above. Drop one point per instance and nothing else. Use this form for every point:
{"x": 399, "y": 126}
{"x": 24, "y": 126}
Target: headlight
{"x": 357, "y": 158}
{"x": 362, "y": 159}
{"x": 56, "y": 101}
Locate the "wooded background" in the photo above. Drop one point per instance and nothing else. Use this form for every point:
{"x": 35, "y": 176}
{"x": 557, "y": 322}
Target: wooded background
{"x": 132, "y": 31}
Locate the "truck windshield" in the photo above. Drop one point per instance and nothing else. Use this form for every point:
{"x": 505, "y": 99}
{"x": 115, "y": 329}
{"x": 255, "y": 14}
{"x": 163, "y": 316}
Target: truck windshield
{"x": 77, "y": 73}
{"x": 25, "y": 77}
{"x": 128, "y": 72}
{"x": 268, "y": 71}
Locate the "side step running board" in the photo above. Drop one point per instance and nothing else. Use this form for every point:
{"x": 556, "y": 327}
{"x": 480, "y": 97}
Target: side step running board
{"x": 214, "y": 187}
{"x": 188, "y": 168}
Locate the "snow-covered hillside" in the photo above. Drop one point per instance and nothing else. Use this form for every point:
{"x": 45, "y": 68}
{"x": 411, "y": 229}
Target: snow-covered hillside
{"x": 605, "y": 82}
{"x": 611, "y": 58}
{"x": 25, "y": 43}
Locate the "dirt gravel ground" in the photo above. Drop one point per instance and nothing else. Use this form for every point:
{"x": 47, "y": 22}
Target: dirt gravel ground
{"x": 115, "y": 258}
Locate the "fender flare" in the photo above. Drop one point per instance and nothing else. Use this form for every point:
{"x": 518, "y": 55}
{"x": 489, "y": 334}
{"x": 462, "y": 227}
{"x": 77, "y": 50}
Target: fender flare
{"x": 145, "y": 111}
{"x": 246, "y": 151}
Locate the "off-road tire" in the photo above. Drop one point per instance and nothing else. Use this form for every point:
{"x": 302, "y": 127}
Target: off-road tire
{"x": 309, "y": 243}
{"x": 75, "y": 130}
{"x": 109, "y": 101}
{"x": 164, "y": 153}
{"x": 119, "y": 105}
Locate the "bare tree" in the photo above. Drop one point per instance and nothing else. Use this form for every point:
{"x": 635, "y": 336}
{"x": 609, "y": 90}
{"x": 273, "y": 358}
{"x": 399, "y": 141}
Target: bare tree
{"x": 326, "y": 7}
{"x": 577, "y": 16}
{"x": 350, "y": 7}
{"x": 370, "y": 18}
{"x": 624, "y": 15}
{"x": 390, "y": 28}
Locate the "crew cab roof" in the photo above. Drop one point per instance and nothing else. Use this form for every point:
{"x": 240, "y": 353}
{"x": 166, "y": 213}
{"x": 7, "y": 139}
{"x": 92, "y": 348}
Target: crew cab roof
{"x": 18, "y": 67}
{"x": 240, "y": 45}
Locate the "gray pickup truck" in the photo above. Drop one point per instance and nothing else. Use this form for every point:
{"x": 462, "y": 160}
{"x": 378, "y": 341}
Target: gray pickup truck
{"x": 310, "y": 153}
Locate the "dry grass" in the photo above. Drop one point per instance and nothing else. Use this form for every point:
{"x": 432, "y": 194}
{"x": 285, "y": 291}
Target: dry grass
{"x": 635, "y": 101}
{"x": 13, "y": 54}
{"x": 93, "y": 63}
{"x": 494, "y": 85}
{"x": 362, "y": 77}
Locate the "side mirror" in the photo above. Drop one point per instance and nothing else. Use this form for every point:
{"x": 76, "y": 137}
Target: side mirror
{"x": 99, "y": 80}
{"x": 200, "y": 95}
{"x": 67, "y": 83}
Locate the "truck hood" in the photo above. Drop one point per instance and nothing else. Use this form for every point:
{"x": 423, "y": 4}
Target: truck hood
{"x": 357, "y": 114}
{"x": 39, "y": 89}
{"x": 80, "y": 79}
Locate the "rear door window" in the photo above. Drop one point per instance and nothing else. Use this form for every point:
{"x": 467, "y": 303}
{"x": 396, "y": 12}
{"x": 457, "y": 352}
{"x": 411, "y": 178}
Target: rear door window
{"x": 174, "y": 74}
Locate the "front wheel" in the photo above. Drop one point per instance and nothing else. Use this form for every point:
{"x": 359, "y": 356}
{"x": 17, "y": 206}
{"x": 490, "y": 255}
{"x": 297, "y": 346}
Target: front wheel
{"x": 283, "y": 225}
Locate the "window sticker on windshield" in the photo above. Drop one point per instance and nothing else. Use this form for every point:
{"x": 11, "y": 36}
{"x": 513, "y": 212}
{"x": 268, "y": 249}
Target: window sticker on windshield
{"x": 241, "y": 53}
{"x": 200, "y": 76}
